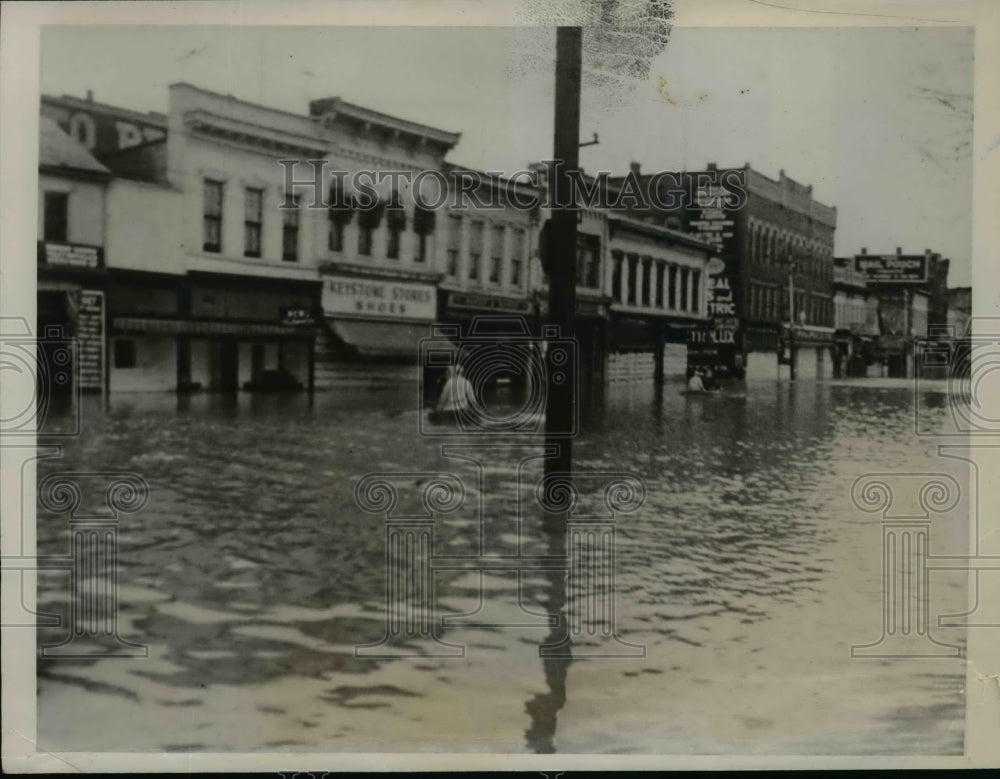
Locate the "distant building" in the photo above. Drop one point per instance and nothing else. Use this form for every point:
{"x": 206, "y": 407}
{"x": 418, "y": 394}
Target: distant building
{"x": 776, "y": 242}
{"x": 72, "y": 272}
{"x": 856, "y": 322}
{"x": 912, "y": 292}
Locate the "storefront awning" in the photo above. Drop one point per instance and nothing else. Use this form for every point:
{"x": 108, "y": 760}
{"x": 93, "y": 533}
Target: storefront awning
{"x": 131, "y": 324}
{"x": 381, "y": 339}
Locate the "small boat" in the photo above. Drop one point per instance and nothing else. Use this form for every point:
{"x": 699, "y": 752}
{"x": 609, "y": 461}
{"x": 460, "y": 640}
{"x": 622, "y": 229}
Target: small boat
{"x": 701, "y": 392}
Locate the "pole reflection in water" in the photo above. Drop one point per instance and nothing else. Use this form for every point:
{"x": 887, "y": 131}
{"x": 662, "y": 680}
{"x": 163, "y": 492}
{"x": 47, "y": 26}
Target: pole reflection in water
{"x": 544, "y": 707}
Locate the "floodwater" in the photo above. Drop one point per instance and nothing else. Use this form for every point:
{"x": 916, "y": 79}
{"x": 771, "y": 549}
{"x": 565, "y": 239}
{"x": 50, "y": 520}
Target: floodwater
{"x": 740, "y": 584}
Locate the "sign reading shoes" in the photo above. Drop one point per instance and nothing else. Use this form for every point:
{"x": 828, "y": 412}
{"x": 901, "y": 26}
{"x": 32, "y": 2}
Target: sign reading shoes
{"x": 377, "y": 298}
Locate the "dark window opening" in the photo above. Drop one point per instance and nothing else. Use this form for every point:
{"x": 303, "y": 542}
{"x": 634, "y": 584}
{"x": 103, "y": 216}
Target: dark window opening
{"x": 290, "y": 232}
{"x": 396, "y": 222}
{"x": 253, "y": 222}
{"x": 56, "y": 223}
{"x": 212, "y": 216}
{"x": 125, "y": 353}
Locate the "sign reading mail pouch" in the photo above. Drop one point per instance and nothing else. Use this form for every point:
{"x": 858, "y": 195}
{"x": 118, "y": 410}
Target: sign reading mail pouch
{"x": 891, "y": 267}
{"x": 379, "y": 298}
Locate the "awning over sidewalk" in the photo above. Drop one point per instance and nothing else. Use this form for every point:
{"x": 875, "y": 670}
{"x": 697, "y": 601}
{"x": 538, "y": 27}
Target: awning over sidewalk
{"x": 381, "y": 339}
{"x": 131, "y": 324}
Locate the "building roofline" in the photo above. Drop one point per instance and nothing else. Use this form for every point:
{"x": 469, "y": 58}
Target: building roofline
{"x": 338, "y": 105}
{"x": 241, "y": 101}
{"x": 673, "y": 236}
{"x": 150, "y": 117}
{"x": 452, "y": 167}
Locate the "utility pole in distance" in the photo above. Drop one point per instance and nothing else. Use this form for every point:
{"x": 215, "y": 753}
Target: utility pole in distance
{"x": 561, "y": 401}
{"x": 791, "y": 318}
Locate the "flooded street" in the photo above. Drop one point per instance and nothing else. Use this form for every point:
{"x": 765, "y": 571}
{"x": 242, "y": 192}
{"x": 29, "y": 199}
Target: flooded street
{"x": 746, "y": 575}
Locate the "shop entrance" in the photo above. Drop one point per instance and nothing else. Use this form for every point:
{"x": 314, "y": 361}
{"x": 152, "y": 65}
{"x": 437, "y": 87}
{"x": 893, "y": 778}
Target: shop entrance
{"x": 225, "y": 363}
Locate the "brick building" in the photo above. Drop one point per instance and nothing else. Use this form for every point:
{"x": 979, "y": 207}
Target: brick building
{"x": 776, "y": 245}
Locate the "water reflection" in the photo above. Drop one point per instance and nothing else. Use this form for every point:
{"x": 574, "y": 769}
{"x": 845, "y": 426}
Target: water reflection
{"x": 252, "y": 575}
{"x": 543, "y": 708}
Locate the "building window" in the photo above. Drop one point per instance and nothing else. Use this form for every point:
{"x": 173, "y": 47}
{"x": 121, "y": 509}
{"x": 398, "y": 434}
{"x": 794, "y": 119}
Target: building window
{"x": 396, "y": 222}
{"x": 423, "y": 226}
{"x": 368, "y": 220}
{"x": 616, "y": 277}
{"x": 124, "y": 353}
{"x": 633, "y": 268}
{"x": 365, "y": 232}
{"x": 212, "y": 218}
{"x": 647, "y": 279}
{"x": 685, "y": 273}
{"x": 588, "y": 252}
{"x": 341, "y": 214}
{"x": 475, "y": 249}
{"x": 454, "y": 244}
{"x": 56, "y": 216}
{"x": 672, "y": 288}
{"x": 695, "y": 292}
{"x": 254, "y": 201}
{"x": 496, "y": 254}
{"x": 290, "y": 232}
{"x": 516, "y": 258}
{"x": 659, "y": 284}
{"x": 335, "y": 238}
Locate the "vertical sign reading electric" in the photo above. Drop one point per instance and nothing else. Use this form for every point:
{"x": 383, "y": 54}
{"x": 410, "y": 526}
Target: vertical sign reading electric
{"x": 715, "y": 198}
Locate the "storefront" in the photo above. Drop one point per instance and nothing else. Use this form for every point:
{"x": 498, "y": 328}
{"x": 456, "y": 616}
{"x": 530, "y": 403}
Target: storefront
{"x": 71, "y": 311}
{"x": 211, "y": 332}
{"x": 372, "y": 328}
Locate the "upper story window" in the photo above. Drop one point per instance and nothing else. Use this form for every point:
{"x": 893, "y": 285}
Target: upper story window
{"x": 496, "y": 254}
{"x": 672, "y": 287}
{"x": 454, "y": 244}
{"x": 647, "y": 274}
{"x": 616, "y": 276}
{"x": 212, "y": 216}
{"x": 341, "y": 214}
{"x": 588, "y": 257}
{"x": 685, "y": 275}
{"x": 396, "y": 222}
{"x": 660, "y": 268}
{"x": 253, "y": 221}
{"x": 695, "y": 291}
{"x": 633, "y": 265}
{"x": 368, "y": 220}
{"x": 56, "y": 224}
{"x": 475, "y": 248}
{"x": 517, "y": 257}
{"x": 423, "y": 227}
{"x": 290, "y": 232}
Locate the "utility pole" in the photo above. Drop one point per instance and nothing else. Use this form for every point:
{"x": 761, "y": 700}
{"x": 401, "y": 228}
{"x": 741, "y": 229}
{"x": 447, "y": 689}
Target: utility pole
{"x": 791, "y": 319}
{"x": 560, "y": 401}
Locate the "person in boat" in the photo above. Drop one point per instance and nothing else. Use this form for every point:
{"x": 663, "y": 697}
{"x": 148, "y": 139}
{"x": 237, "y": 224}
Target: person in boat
{"x": 708, "y": 379}
{"x": 695, "y": 383}
{"x": 456, "y": 396}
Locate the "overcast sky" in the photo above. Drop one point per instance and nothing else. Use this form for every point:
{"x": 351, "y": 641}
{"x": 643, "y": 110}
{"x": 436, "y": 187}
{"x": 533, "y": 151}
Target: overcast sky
{"x": 877, "y": 120}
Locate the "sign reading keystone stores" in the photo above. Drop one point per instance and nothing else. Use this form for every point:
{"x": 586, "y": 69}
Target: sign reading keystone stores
{"x": 379, "y": 299}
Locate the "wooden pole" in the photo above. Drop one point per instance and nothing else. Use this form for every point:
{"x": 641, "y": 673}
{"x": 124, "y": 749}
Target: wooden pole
{"x": 560, "y": 402}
